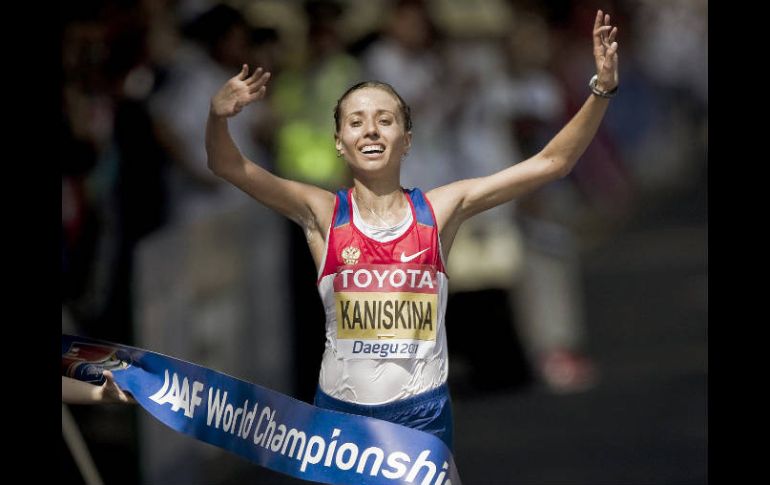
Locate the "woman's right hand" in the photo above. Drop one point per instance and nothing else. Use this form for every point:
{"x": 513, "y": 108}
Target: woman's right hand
{"x": 239, "y": 91}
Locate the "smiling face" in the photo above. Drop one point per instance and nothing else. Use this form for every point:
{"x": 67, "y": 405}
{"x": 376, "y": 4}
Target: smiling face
{"x": 371, "y": 133}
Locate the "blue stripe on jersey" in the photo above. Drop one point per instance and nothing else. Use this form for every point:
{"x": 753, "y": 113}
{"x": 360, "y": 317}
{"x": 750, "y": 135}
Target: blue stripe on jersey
{"x": 421, "y": 208}
{"x": 343, "y": 208}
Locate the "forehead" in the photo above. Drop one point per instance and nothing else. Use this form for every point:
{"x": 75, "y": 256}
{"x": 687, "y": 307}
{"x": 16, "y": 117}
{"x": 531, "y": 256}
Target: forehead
{"x": 369, "y": 100}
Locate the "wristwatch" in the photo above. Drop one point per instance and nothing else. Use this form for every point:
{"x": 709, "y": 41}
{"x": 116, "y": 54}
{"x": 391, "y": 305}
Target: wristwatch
{"x": 604, "y": 94}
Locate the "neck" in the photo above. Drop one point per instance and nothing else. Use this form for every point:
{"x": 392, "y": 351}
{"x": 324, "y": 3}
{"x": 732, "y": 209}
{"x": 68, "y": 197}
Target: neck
{"x": 378, "y": 205}
{"x": 380, "y": 196}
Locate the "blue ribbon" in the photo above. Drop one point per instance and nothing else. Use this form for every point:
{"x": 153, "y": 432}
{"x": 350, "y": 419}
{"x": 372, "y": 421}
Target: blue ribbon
{"x": 264, "y": 426}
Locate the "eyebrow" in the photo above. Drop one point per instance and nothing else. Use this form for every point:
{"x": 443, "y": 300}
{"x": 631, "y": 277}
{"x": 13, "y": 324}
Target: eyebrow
{"x": 360, "y": 112}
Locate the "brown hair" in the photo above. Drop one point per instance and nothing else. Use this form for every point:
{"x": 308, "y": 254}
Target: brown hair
{"x": 405, "y": 111}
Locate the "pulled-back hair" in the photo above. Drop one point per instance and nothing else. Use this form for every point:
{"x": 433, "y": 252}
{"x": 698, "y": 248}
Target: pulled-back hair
{"x": 405, "y": 111}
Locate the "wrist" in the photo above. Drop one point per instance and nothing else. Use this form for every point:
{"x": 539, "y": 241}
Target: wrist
{"x": 214, "y": 110}
{"x": 216, "y": 116}
{"x": 598, "y": 91}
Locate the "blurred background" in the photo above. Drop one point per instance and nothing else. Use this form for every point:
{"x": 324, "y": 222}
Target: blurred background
{"x": 595, "y": 286}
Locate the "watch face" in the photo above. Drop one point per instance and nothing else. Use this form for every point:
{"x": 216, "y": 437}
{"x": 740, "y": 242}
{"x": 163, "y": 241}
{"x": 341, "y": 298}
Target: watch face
{"x": 597, "y": 91}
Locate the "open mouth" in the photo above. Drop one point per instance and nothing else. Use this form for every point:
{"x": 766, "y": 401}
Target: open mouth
{"x": 373, "y": 149}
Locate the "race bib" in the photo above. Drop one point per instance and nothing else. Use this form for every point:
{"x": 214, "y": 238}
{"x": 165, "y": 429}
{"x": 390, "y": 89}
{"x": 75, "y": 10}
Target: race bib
{"x": 386, "y": 311}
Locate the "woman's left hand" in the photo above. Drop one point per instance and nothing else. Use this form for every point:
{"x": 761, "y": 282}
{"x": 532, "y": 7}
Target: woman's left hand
{"x": 605, "y": 52}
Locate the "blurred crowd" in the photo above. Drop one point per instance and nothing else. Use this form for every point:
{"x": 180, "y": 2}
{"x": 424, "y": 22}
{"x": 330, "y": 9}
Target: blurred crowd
{"x": 489, "y": 82}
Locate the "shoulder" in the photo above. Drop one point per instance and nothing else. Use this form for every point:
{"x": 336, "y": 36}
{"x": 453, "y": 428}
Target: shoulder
{"x": 448, "y": 196}
{"x": 447, "y": 203}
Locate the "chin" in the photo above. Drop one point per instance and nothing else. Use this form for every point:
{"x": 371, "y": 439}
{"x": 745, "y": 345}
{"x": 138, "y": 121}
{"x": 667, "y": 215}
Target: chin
{"x": 372, "y": 166}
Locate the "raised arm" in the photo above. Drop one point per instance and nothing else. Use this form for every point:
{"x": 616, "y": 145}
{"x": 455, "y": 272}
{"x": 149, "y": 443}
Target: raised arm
{"x": 307, "y": 205}
{"x": 460, "y": 200}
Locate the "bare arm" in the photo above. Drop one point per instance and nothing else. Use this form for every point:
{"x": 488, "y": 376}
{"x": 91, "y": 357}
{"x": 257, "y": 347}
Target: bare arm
{"x": 307, "y": 205}
{"x": 456, "y": 202}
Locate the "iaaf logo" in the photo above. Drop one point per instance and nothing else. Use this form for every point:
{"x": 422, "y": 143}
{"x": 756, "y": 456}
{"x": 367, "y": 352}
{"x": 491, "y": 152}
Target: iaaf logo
{"x": 86, "y": 362}
{"x": 178, "y": 394}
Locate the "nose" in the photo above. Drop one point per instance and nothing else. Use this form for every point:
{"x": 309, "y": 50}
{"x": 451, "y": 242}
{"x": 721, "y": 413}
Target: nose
{"x": 372, "y": 130}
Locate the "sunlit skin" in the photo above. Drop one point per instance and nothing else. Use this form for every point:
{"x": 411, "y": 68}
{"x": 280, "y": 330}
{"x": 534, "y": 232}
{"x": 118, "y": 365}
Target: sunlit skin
{"x": 371, "y": 117}
{"x": 373, "y": 141}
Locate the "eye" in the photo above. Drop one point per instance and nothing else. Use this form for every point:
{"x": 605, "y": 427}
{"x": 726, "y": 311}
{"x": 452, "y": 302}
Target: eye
{"x": 355, "y": 123}
{"x": 386, "y": 121}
